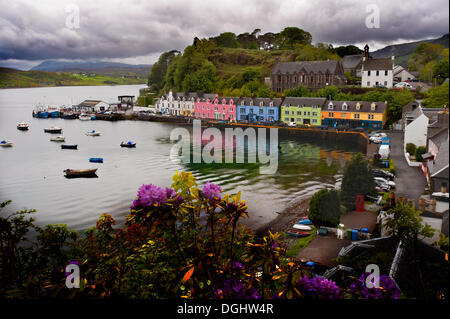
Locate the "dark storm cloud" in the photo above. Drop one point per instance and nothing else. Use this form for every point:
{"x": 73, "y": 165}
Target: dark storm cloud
{"x": 32, "y": 30}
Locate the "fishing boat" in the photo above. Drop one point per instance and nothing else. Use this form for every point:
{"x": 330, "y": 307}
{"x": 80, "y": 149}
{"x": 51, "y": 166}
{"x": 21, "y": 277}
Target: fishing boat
{"x": 59, "y": 138}
{"x": 70, "y": 116}
{"x": 93, "y": 133}
{"x": 53, "y": 129}
{"x": 22, "y": 126}
{"x": 6, "y": 143}
{"x": 96, "y": 160}
{"x": 302, "y": 227}
{"x": 53, "y": 112}
{"x": 40, "y": 111}
{"x": 297, "y": 233}
{"x": 84, "y": 117}
{"x": 128, "y": 144}
{"x": 69, "y": 146}
{"x": 80, "y": 172}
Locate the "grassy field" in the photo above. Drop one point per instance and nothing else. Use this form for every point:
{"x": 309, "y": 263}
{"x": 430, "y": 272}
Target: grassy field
{"x": 10, "y": 78}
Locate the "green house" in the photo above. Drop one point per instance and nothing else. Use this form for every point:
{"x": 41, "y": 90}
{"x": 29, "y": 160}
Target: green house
{"x": 302, "y": 110}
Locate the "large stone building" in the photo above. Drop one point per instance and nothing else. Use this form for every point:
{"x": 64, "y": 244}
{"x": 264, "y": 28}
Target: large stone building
{"x": 311, "y": 74}
{"x": 377, "y": 72}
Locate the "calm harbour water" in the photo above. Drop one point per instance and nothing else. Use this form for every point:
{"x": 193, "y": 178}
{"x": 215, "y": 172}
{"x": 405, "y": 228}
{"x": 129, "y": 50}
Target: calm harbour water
{"x": 31, "y": 172}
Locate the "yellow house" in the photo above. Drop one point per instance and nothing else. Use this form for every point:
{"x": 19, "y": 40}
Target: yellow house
{"x": 352, "y": 114}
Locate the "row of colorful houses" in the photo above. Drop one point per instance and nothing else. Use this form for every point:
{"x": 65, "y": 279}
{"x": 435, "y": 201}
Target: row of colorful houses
{"x": 299, "y": 110}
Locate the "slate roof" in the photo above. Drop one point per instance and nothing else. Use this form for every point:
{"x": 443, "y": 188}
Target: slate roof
{"x": 330, "y": 66}
{"x": 365, "y": 106}
{"x": 266, "y": 101}
{"x": 378, "y": 64}
{"x": 304, "y": 101}
{"x": 440, "y": 137}
{"x": 351, "y": 61}
{"x": 89, "y": 103}
{"x": 440, "y": 167}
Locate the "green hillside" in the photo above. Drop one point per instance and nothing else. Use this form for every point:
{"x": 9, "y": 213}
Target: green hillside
{"x": 12, "y": 78}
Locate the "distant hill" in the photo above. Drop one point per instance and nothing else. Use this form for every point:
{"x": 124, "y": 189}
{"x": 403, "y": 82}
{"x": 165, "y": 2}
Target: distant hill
{"x": 98, "y": 67}
{"x": 404, "y": 51}
{"x": 12, "y": 78}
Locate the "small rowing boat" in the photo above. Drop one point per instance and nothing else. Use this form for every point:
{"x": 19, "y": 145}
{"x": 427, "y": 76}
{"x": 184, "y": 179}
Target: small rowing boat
{"x": 84, "y": 117}
{"x": 96, "y": 160}
{"x": 93, "y": 133}
{"x": 53, "y": 129}
{"x": 22, "y": 126}
{"x": 69, "y": 146}
{"x": 297, "y": 233}
{"x": 305, "y": 221}
{"x": 302, "y": 227}
{"x": 80, "y": 172}
{"x": 6, "y": 143}
{"x": 128, "y": 144}
{"x": 59, "y": 138}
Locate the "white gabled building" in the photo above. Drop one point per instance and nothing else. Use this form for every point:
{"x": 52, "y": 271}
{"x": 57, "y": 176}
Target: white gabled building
{"x": 90, "y": 106}
{"x": 377, "y": 72}
{"x": 416, "y": 128}
{"x": 176, "y": 104}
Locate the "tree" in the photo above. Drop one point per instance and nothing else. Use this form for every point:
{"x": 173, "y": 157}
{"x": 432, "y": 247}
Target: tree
{"x": 437, "y": 97}
{"x": 159, "y": 70}
{"x": 357, "y": 180}
{"x": 226, "y": 40}
{"x": 347, "y": 50}
{"x": 419, "y": 152}
{"x": 411, "y": 148}
{"x": 299, "y": 91}
{"x": 324, "y": 208}
{"x": 268, "y": 40}
{"x": 424, "y": 53}
{"x": 293, "y": 35}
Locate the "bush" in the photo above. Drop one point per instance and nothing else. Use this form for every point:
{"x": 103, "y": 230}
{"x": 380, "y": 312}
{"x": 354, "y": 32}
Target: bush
{"x": 419, "y": 152}
{"x": 411, "y": 148}
{"x": 324, "y": 208}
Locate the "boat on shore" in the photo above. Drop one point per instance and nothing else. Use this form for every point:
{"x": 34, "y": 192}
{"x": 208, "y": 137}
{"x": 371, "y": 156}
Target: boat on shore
{"x": 69, "y": 146}
{"x": 6, "y": 143}
{"x": 80, "y": 172}
{"x": 128, "y": 144}
{"x": 84, "y": 117}
{"x": 59, "y": 138}
{"x": 302, "y": 227}
{"x": 53, "y": 129}
{"x": 96, "y": 160}
{"x": 297, "y": 233}
{"x": 22, "y": 126}
{"x": 93, "y": 133}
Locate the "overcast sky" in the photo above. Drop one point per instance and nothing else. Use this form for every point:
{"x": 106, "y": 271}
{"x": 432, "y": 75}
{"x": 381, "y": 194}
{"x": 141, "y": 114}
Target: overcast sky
{"x": 135, "y": 31}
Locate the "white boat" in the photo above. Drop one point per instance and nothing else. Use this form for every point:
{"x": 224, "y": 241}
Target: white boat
{"x": 22, "y": 126}
{"x": 302, "y": 227}
{"x": 84, "y": 117}
{"x": 93, "y": 133}
{"x": 53, "y": 129}
{"x": 59, "y": 138}
{"x": 6, "y": 143}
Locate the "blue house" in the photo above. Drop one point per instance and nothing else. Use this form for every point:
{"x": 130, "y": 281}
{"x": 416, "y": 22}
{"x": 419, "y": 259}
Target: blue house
{"x": 258, "y": 109}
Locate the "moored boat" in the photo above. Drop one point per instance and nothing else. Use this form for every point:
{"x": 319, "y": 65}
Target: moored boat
{"x": 128, "y": 144}
{"x": 93, "y": 133}
{"x": 59, "y": 138}
{"x": 53, "y": 112}
{"x": 69, "y": 146}
{"x": 297, "y": 233}
{"x": 53, "y": 129}
{"x": 70, "y": 116}
{"x": 80, "y": 172}
{"x": 6, "y": 143}
{"x": 84, "y": 117}
{"x": 96, "y": 160}
{"x": 22, "y": 126}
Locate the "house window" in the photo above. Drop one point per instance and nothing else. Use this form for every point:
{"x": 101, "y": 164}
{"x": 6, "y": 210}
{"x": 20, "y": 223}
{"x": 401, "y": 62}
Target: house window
{"x": 260, "y": 104}
{"x": 386, "y": 72}
{"x": 370, "y": 116}
{"x": 286, "y": 112}
{"x": 314, "y": 121}
{"x": 356, "y": 116}
{"x": 299, "y": 120}
{"x": 330, "y": 114}
{"x": 385, "y": 83}
{"x": 345, "y": 106}
{"x": 330, "y": 106}
{"x": 271, "y": 112}
{"x": 261, "y": 111}
{"x": 368, "y": 83}
{"x": 242, "y": 111}
{"x": 378, "y": 73}
{"x": 343, "y": 115}
{"x": 286, "y": 119}
{"x": 299, "y": 112}
{"x": 368, "y": 73}
{"x": 314, "y": 113}
{"x": 271, "y": 104}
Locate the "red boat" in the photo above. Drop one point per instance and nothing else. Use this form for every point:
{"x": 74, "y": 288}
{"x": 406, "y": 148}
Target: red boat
{"x": 297, "y": 233}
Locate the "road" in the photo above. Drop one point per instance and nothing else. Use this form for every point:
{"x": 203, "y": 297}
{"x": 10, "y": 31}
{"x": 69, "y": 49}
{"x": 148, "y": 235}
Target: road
{"x": 410, "y": 181}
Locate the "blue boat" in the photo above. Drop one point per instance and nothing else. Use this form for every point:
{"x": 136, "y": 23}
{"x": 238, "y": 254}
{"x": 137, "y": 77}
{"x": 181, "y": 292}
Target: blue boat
{"x": 53, "y": 114}
{"x": 42, "y": 114}
{"x": 305, "y": 222}
{"x": 96, "y": 160}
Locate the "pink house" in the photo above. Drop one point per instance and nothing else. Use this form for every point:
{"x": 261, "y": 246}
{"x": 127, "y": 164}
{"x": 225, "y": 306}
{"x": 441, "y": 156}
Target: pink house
{"x": 219, "y": 108}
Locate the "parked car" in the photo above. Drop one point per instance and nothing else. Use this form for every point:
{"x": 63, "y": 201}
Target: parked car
{"x": 382, "y": 186}
{"x": 376, "y": 138}
{"x": 403, "y": 85}
{"x": 292, "y": 124}
{"x": 383, "y": 180}
{"x": 382, "y": 173}
{"x": 414, "y": 80}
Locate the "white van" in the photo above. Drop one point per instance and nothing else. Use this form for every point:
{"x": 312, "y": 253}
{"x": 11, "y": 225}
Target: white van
{"x": 384, "y": 151}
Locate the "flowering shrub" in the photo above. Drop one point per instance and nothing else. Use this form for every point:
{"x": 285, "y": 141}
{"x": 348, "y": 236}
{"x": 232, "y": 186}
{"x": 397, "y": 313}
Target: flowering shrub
{"x": 386, "y": 290}
{"x": 318, "y": 287}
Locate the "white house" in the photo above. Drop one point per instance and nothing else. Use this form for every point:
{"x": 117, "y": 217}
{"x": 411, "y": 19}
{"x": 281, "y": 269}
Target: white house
{"x": 176, "y": 104}
{"x": 401, "y": 74}
{"x": 377, "y": 72}
{"x": 416, "y": 128}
